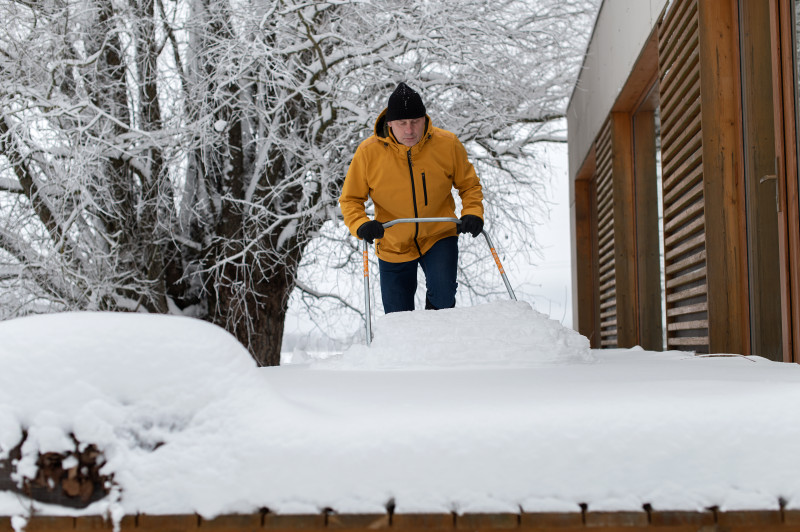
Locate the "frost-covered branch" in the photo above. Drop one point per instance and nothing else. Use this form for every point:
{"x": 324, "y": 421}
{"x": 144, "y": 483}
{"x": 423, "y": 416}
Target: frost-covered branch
{"x": 307, "y": 290}
{"x": 181, "y": 156}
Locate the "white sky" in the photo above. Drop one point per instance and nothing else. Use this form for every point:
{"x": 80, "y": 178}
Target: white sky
{"x": 548, "y": 284}
{"x": 490, "y": 408}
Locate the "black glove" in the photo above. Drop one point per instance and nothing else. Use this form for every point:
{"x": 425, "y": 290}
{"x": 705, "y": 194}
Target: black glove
{"x": 371, "y": 230}
{"x": 470, "y": 224}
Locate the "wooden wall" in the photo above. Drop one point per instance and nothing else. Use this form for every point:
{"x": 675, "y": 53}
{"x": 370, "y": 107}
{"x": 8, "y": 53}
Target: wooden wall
{"x": 704, "y": 197}
{"x": 606, "y": 256}
{"x": 785, "y": 115}
{"x": 685, "y": 251}
{"x": 732, "y": 282}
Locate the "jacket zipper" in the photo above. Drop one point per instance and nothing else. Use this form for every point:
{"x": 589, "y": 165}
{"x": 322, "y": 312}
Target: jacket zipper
{"x": 424, "y": 189}
{"x": 414, "y": 198}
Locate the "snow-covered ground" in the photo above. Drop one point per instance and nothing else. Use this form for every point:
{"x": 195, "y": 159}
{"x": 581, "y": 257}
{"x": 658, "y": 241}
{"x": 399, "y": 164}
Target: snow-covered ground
{"x": 485, "y": 409}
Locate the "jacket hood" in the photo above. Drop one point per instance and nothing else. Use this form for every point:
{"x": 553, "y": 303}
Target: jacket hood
{"x": 383, "y": 132}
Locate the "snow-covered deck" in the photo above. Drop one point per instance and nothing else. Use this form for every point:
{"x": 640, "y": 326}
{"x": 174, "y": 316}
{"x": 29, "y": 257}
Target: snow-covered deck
{"x": 491, "y": 417}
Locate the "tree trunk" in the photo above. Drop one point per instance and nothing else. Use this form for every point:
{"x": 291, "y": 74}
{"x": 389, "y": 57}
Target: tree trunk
{"x": 268, "y": 319}
{"x": 253, "y": 310}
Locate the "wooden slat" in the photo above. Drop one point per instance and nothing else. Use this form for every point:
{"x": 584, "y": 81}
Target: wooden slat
{"x": 607, "y": 249}
{"x": 698, "y": 224}
{"x": 691, "y": 520}
{"x": 604, "y": 203}
{"x": 37, "y": 523}
{"x": 688, "y": 262}
{"x": 232, "y": 523}
{"x": 484, "y": 521}
{"x": 695, "y": 210}
{"x": 555, "y": 521}
{"x": 338, "y": 521}
{"x": 687, "y": 325}
{"x": 680, "y": 97}
{"x": 689, "y": 340}
{"x": 616, "y": 520}
{"x": 93, "y": 523}
{"x": 423, "y": 521}
{"x": 603, "y": 169}
{"x": 605, "y": 244}
{"x": 697, "y": 291}
{"x": 686, "y": 246}
{"x": 608, "y": 300}
{"x": 167, "y": 523}
{"x": 607, "y": 286}
{"x": 605, "y": 239}
{"x": 691, "y": 195}
{"x": 679, "y": 36}
{"x": 684, "y": 145}
{"x": 685, "y": 154}
{"x": 685, "y": 107}
{"x": 604, "y": 211}
{"x": 683, "y": 161}
{"x": 692, "y": 276}
{"x": 604, "y": 220}
{"x": 606, "y": 269}
{"x": 671, "y": 18}
{"x": 605, "y": 232}
{"x": 679, "y": 80}
{"x": 687, "y": 309}
{"x": 607, "y": 318}
{"x": 295, "y": 521}
{"x": 603, "y": 165}
{"x": 608, "y": 303}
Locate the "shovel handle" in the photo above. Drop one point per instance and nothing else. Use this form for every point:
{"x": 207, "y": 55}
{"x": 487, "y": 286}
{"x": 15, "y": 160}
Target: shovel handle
{"x": 386, "y": 225}
{"x": 456, "y": 221}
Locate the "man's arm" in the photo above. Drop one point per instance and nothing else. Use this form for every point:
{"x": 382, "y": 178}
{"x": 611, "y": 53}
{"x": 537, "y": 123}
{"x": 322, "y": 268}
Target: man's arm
{"x": 467, "y": 183}
{"x": 355, "y": 194}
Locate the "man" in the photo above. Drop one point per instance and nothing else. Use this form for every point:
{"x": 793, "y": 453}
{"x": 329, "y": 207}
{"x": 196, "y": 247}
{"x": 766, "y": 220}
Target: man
{"x": 409, "y": 168}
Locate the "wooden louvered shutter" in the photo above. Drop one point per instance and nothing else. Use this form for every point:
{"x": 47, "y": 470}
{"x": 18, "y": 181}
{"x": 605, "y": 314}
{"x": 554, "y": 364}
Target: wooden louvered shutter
{"x": 605, "y": 238}
{"x": 682, "y": 175}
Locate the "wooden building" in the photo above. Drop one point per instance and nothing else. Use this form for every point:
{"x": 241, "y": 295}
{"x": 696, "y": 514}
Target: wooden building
{"x": 683, "y": 161}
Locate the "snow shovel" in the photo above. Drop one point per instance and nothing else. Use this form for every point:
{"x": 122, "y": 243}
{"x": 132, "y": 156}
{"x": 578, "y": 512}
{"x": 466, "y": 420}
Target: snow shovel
{"x": 365, "y": 251}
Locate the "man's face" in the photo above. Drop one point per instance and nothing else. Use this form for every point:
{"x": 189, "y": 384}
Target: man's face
{"x": 408, "y": 132}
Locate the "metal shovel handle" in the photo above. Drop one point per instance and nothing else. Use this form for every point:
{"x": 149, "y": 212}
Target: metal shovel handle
{"x": 386, "y": 225}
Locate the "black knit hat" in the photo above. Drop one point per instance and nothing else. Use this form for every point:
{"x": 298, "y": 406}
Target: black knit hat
{"x": 404, "y": 103}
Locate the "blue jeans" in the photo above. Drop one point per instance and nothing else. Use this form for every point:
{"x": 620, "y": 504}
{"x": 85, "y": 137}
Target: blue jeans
{"x": 399, "y": 279}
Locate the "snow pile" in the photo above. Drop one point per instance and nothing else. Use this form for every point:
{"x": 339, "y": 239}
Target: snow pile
{"x": 71, "y": 360}
{"x": 499, "y": 334}
{"x": 517, "y": 419}
{"x": 127, "y": 383}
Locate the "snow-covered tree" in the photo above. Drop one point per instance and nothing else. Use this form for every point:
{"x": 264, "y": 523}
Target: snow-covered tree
{"x": 180, "y": 156}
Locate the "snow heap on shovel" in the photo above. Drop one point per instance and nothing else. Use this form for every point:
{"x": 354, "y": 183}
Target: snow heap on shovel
{"x": 502, "y": 333}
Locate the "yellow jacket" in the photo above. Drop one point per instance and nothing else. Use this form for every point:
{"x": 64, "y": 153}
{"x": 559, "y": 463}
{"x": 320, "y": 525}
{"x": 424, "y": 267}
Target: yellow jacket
{"x": 405, "y": 182}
